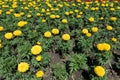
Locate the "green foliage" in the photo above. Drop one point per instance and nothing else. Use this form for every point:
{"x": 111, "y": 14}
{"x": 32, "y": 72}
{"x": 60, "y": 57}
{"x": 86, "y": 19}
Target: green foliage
{"x": 78, "y": 61}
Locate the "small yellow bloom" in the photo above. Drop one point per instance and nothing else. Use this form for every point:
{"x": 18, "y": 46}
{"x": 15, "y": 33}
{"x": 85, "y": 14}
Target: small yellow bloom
{"x": 43, "y": 20}
{"x": 1, "y": 28}
{"x": 78, "y": 16}
{"x": 113, "y": 18}
{"x": 8, "y": 35}
{"x": 52, "y": 16}
{"x": 66, "y": 37}
{"x": 114, "y": 39}
{"x": 85, "y": 31}
{"x": 101, "y": 18}
{"x": 109, "y": 28}
{"x": 29, "y": 16}
{"x": 55, "y": 31}
{"x": 38, "y": 58}
{"x": 88, "y": 34}
{"x": 38, "y": 14}
{"x": 103, "y": 47}
{"x": 36, "y": 49}
{"x": 38, "y": 43}
{"x": 99, "y": 71}
{"x": 0, "y": 45}
{"x": 47, "y": 34}
{"x": 91, "y": 19}
{"x": 22, "y": 23}
{"x": 17, "y": 15}
{"x": 17, "y": 32}
{"x": 71, "y": 12}
{"x": 94, "y": 29}
{"x": 39, "y": 74}
{"x": 57, "y": 16}
{"x": 67, "y": 13}
{"x": 76, "y": 11}
{"x": 64, "y": 21}
{"x": 23, "y": 67}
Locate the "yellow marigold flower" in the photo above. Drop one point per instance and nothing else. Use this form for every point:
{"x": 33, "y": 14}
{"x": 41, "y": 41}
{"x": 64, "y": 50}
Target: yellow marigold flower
{"x": 52, "y": 16}
{"x": 38, "y": 14}
{"x": 109, "y": 28}
{"x": 112, "y": 9}
{"x": 85, "y": 31}
{"x": 55, "y": 31}
{"x": 78, "y": 16}
{"x": 22, "y": 23}
{"x": 99, "y": 71}
{"x": 0, "y": 45}
{"x": 57, "y": 16}
{"x": 67, "y": 13}
{"x": 39, "y": 74}
{"x": 66, "y": 37}
{"x": 100, "y": 47}
{"x": 8, "y": 35}
{"x": 103, "y": 46}
{"x": 107, "y": 47}
{"x": 38, "y": 58}
{"x": 94, "y": 29}
{"x": 76, "y": 11}
{"x": 80, "y": 13}
{"x": 23, "y": 67}
{"x": 91, "y": 19}
{"x": 113, "y": 18}
{"x": 64, "y": 21}
{"x": 29, "y": 16}
{"x": 1, "y": 28}
{"x": 36, "y": 49}
{"x": 38, "y": 43}
{"x": 43, "y": 20}
{"x": 93, "y": 8}
{"x": 17, "y": 32}
{"x": 8, "y": 12}
{"x": 71, "y": 12}
{"x": 47, "y": 34}
{"x": 101, "y": 18}
{"x": 88, "y": 34}
{"x": 17, "y": 15}
{"x": 114, "y": 39}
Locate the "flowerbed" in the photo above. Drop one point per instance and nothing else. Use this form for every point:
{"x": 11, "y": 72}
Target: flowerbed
{"x": 55, "y": 40}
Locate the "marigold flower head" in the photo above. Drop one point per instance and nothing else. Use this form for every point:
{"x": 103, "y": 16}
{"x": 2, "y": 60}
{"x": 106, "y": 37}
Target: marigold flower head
{"x": 39, "y": 58}
{"x": 22, "y": 23}
{"x": 1, "y": 28}
{"x": 66, "y": 37}
{"x": 85, "y": 31}
{"x": 109, "y": 28}
{"x": 36, "y": 49}
{"x": 91, "y": 19}
{"x": 39, "y": 74}
{"x": 99, "y": 71}
{"x": 88, "y": 34}
{"x": 64, "y": 21}
{"x": 114, "y": 39}
{"x": 23, "y": 67}
{"x": 55, "y": 31}
{"x": 94, "y": 29}
{"x": 8, "y": 35}
{"x": 47, "y": 34}
{"x": 17, "y": 32}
